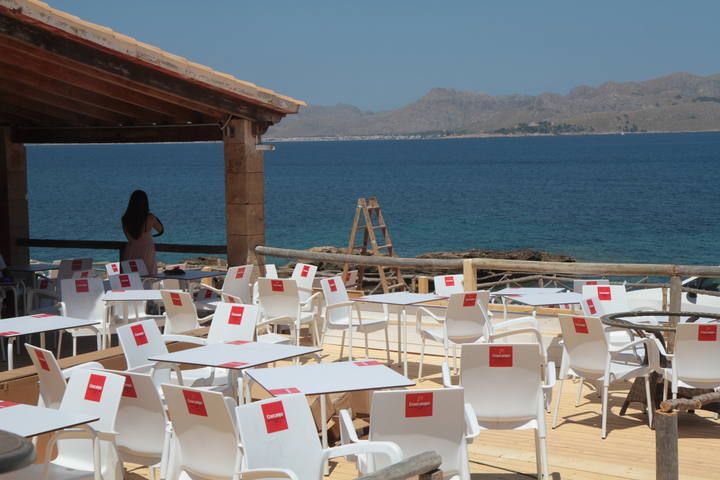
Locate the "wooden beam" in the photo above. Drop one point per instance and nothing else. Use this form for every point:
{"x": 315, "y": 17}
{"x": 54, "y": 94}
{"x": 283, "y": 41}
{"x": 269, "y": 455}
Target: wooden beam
{"x": 37, "y": 118}
{"x": 129, "y": 134}
{"x": 14, "y": 216}
{"x": 63, "y": 116}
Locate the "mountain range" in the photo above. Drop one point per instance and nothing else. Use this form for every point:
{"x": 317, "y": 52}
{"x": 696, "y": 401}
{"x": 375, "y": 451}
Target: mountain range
{"x": 676, "y": 102}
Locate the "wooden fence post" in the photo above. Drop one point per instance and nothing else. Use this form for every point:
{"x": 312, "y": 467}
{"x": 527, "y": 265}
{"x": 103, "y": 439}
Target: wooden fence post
{"x": 423, "y": 284}
{"x": 666, "y": 446}
{"x": 469, "y": 275}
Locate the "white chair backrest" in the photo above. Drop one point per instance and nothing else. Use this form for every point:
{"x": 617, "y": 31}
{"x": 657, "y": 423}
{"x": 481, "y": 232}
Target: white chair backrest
{"x": 233, "y": 321}
{"x": 466, "y": 318}
{"x": 579, "y": 284}
{"x": 608, "y": 298}
{"x": 136, "y": 265}
{"x": 271, "y": 270}
{"x": 50, "y": 377}
{"x": 446, "y": 285}
{"x": 180, "y": 312}
{"x": 140, "y": 341}
{"x": 334, "y": 292}
{"x": 205, "y": 430}
{"x": 112, "y": 268}
{"x": 280, "y": 433}
{"x": 416, "y": 419}
{"x": 697, "y": 352}
{"x": 83, "y": 274}
{"x": 126, "y": 281}
{"x": 141, "y": 419}
{"x": 502, "y": 382}
{"x": 279, "y": 297}
{"x": 70, "y": 265}
{"x": 83, "y": 298}
{"x": 351, "y": 279}
{"x": 585, "y": 344}
{"x": 304, "y": 274}
{"x": 237, "y": 283}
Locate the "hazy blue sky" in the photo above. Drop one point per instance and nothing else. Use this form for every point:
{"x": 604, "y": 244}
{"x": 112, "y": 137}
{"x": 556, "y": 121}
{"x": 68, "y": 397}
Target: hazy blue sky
{"x": 383, "y": 54}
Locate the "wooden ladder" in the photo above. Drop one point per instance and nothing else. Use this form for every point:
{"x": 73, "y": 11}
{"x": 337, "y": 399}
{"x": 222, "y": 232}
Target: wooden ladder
{"x": 369, "y": 219}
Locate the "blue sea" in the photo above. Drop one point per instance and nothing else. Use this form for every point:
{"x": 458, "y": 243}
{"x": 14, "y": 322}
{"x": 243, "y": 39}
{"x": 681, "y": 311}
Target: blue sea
{"x": 631, "y": 198}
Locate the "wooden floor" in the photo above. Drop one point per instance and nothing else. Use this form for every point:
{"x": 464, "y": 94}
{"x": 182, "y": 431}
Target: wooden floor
{"x": 575, "y": 448}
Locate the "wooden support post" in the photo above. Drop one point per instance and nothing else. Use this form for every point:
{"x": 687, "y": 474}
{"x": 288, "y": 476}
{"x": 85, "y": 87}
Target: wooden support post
{"x": 14, "y": 216}
{"x": 244, "y": 192}
{"x": 469, "y": 275}
{"x": 666, "y": 446}
{"x": 423, "y": 284}
{"x": 675, "y": 306}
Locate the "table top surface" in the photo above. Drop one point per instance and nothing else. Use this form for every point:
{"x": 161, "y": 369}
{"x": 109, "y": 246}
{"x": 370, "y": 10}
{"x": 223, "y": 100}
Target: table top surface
{"x": 322, "y": 378}
{"x": 30, "y": 420}
{"x": 235, "y": 355}
{"x": 633, "y": 320}
{"x": 38, "y": 323}
{"x": 542, "y": 299}
{"x": 33, "y": 267}
{"x": 188, "y": 275}
{"x": 526, "y": 291}
{"x": 399, "y": 298}
{"x": 132, "y": 295}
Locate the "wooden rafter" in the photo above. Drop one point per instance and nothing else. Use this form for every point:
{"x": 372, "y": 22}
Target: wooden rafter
{"x": 140, "y": 134}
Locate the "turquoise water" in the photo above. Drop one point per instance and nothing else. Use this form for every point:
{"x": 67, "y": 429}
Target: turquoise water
{"x": 639, "y": 198}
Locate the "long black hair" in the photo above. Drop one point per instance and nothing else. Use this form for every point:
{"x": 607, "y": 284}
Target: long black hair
{"x": 136, "y": 214}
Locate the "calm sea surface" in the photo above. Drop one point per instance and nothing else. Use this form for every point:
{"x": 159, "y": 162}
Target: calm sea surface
{"x": 639, "y": 198}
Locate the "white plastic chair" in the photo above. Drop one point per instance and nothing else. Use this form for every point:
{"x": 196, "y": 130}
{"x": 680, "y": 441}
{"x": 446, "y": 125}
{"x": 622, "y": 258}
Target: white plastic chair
{"x": 466, "y": 320}
{"x": 339, "y": 316}
{"x": 89, "y": 392}
{"x": 44, "y": 297}
{"x": 446, "y": 285}
{"x": 304, "y": 274}
{"x": 180, "y": 313}
{"x": 236, "y": 288}
{"x": 82, "y": 298}
{"x": 281, "y": 305}
{"x": 83, "y": 274}
{"x": 234, "y": 321}
{"x": 134, "y": 311}
{"x": 69, "y": 266}
{"x": 587, "y": 354}
{"x": 579, "y": 284}
{"x": 696, "y": 359}
{"x": 418, "y": 421}
{"x": 503, "y": 383}
{"x": 51, "y": 378}
{"x": 280, "y": 433}
{"x": 136, "y": 265}
{"x": 112, "y": 268}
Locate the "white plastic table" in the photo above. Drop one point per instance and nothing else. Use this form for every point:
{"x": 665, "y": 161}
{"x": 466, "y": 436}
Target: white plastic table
{"x": 402, "y": 300}
{"x": 39, "y": 323}
{"x": 29, "y": 420}
{"x": 185, "y": 278}
{"x": 545, "y": 299}
{"x": 132, "y": 296}
{"x": 325, "y": 378}
{"x": 515, "y": 293}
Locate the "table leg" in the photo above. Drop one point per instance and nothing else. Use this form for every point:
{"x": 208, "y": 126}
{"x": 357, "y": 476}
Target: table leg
{"x": 505, "y": 309}
{"x": 233, "y": 380}
{"x": 323, "y": 420}
{"x": 405, "y": 341}
{"x": 42, "y": 340}
{"x": 11, "y": 343}
{"x": 399, "y": 334}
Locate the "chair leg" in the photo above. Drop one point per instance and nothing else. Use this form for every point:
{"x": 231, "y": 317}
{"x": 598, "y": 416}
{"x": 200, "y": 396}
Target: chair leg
{"x": 367, "y": 353}
{"x": 650, "y": 406}
{"x": 557, "y": 403}
{"x": 342, "y": 344}
{"x": 665, "y": 389}
{"x": 350, "y": 344}
{"x": 318, "y": 339}
{"x": 99, "y": 341}
{"x": 74, "y": 348}
{"x": 579, "y": 392}
{"x": 538, "y": 462}
{"x": 455, "y": 366}
{"x": 387, "y": 345}
{"x": 544, "y": 458}
{"x": 422, "y": 358}
{"x": 604, "y": 410}
{"x": 59, "y": 344}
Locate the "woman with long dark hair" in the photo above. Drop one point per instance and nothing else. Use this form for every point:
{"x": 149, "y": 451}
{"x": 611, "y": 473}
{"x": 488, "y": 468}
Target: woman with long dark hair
{"x": 138, "y": 223}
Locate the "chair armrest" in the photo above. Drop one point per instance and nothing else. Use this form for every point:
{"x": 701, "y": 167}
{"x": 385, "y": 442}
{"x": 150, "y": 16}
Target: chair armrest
{"x": 145, "y": 368}
{"x": 260, "y": 473}
{"x": 522, "y": 331}
{"x": 211, "y": 288}
{"x": 390, "y": 449}
{"x": 446, "y": 378}
{"x": 225, "y": 296}
{"x": 184, "y": 338}
{"x": 430, "y": 314}
{"x": 206, "y": 319}
{"x": 283, "y": 318}
{"x": 471, "y": 423}
{"x": 347, "y": 427}
{"x": 311, "y": 298}
{"x": 83, "y": 366}
{"x": 550, "y": 376}
{"x": 517, "y": 321}
{"x": 340, "y": 305}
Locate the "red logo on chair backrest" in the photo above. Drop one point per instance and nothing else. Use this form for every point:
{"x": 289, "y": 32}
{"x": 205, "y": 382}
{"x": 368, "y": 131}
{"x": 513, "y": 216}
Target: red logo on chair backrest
{"x": 7, "y": 403}
{"x": 418, "y": 405}
{"x": 236, "y": 315}
{"x": 707, "y": 333}
{"x": 44, "y": 283}
{"x": 501, "y": 356}
{"x": 580, "y": 325}
{"x": 208, "y": 293}
{"x": 195, "y": 403}
{"x": 470, "y": 300}
{"x": 240, "y": 272}
{"x": 591, "y": 306}
{"x": 129, "y": 388}
{"x": 449, "y": 281}
{"x": 81, "y": 286}
{"x": 591, "y": 282}
{"x": 124, "y": 281}
{"x": 84, "y": 274}
{"x": 283, "y": 391}
{"x": 40, "y": 355}
{"x": 95, "y": 387}
{"x": 604, "y": 294}
{"x": 76, "y": 265}
{"x": 274, "y": 416}
{"x": 305, "y": 271}
{"x": 114, "y": 267}
{"x": 176, "y": 299}
{"x": 138, "y": 332}
{"x": 277, "y": 285}
{"x": 133, "y": 266}
{"x": 332, "y": 285}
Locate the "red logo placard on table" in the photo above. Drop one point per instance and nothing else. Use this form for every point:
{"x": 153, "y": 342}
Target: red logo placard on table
{"x": 580, "y": 325}
{"x": 591, "y": 306}
{"x": 9, "y": 333}
{"x": 233, "y": 364}
{"x": 274, "y": 416}
{"x": 76, "y": 265}
{"x": 95, "y": 387}
{"x": 176, "y": 299}
{"x": 332, "y": 285}
{"x": 470, "y": 300}
{"x": 367, "y": 363}
{"x": 133, "y": 266}
{"x": 591, "y": 282}
{"x": 138, "y": 332}
{"x": 236, "y": 315}
{"x": 450, "y": 281}
{"x": 707, "y": 333}
{"x": 114, "y": 267}
{"x": 124, "y": 281}
{"x": 277, "y": 285}
{"x": 195, "y": 403}
{"x": 82, "y": 286}
{"x": 283, "y": 391}
{"x": 7, "y": 403}
{"x": 240, "y": 272}
{"x": 305, "y": 271}
{"x": 129, "y": 388}
{"x": 418, "y": 405}
{"x": 239, "y": 342}
{"x": 501, "y": 356}
{"x": 604, "y": 294}
{"x": 42, "y": 315}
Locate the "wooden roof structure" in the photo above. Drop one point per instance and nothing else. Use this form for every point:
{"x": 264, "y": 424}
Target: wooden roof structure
{"x": 65, "y": 80}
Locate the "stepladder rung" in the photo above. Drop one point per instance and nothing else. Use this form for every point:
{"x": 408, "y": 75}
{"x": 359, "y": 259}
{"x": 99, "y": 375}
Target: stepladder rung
{"x": 389, "y": 245}
{"x": 378, "y": 227}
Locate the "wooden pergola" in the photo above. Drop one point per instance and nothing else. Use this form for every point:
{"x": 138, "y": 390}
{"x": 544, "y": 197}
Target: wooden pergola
{"x": 64, "y": 80}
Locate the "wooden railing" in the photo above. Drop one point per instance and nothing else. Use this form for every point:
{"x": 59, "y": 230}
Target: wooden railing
{"x": 118, "y": 245}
